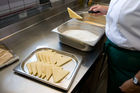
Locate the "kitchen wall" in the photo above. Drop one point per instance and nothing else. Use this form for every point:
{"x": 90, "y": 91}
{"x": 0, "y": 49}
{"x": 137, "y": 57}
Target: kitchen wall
{"x": 9, "y": 6}
{"x": 12, "y": 11}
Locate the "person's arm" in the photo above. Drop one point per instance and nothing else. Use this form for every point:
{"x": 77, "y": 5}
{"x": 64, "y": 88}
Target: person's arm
{"x": 129, "y": 87}
{"x": 102, "y": 8}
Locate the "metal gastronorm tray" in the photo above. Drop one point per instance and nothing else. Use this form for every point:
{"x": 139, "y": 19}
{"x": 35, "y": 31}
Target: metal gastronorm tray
{"x": 71, "y": 66}
{"x": 74, "y": 24}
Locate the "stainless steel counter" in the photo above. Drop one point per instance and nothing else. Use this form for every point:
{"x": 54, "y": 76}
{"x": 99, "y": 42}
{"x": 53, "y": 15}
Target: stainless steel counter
{"x": 26, "y": 41}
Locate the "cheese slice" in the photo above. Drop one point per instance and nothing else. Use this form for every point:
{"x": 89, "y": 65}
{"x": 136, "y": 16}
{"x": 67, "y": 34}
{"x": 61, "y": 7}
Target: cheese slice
{"x": 57, "y": 57}
{"x": 59, "y": 74}
{"x": 48, "y": 56}
{"x": 48, "y": 70}
{"x": 43, "y": 54}
{"x": 43, "y": 76}
{"x": 38, "y": 56}
{"x": 29, "y": 68}
{"x": 43, "y": 71}
{"x": 63, "y": 60}
{"x": 34, "y": 68}
{"x": 73, "y": 14}
{"x": 93, "y": 23}
{"x": 53, "y": 58}
{"x": 39, "y": 71}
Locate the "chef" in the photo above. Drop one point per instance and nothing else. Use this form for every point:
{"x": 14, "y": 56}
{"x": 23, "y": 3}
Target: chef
{"x": 122, "y": 45}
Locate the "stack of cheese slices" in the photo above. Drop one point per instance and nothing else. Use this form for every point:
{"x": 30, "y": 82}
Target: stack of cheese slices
{"x": 5, "y": 55}
{"x": 49, "y": 64}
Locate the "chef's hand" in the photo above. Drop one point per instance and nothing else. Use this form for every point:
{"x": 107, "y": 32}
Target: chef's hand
{"x": 129, "y": 87}
{"x": 103, "y": 9}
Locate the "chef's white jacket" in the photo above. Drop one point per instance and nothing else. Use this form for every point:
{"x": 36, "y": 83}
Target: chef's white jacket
{"x": 123, "y": 23}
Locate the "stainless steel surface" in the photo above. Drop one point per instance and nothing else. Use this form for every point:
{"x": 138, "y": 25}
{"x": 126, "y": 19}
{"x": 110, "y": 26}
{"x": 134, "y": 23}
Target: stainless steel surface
{"x": 26, "y": 41}
{"x": 11, "y": 60}
{"x": 71, "y": 66}
{"x": 74, "y": 24}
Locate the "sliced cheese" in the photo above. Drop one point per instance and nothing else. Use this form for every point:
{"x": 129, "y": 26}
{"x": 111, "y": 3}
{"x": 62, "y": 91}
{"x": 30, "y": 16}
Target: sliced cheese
{"x": 73, "y": 14}
{"x": 93, "y": 23}
{"x": 59, "y": 74}
{"x": 63, "y": 60}
{"x": 57, "y": 57}
{"x": 48, "y": 70}
{"x": 53, "y": 58}
{"x": 43, "y": 55}
{"x": 39, "y": 67}
{"x": 47, "y": 56}
{"x": 47, "y": 65}
{"x": 43, "y": 71}
{"x": 29, "y": 68}
{"x": 34, "y": 68}
{"x": 38, "y": 56}
{"x": 43, "y": 75}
